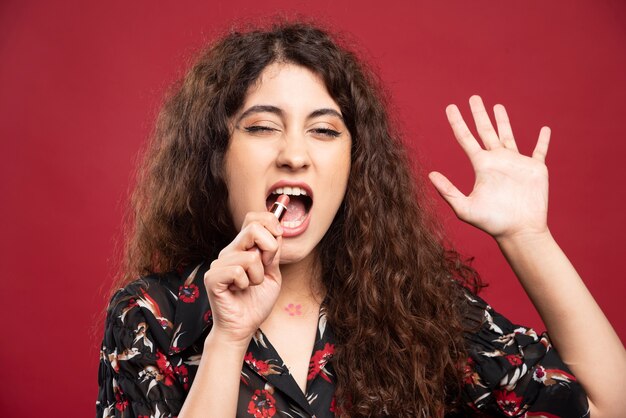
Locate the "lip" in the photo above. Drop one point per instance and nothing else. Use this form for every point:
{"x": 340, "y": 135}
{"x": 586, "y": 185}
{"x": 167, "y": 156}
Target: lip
{"x": 293, "y": 232}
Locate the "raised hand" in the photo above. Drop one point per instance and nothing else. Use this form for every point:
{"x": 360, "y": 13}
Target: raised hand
{"x": 243, "y": 283}
{"x": 510, "y": 194}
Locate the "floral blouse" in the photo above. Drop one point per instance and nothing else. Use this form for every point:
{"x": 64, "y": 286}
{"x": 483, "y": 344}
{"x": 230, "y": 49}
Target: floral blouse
{"x": 155, "y": 332}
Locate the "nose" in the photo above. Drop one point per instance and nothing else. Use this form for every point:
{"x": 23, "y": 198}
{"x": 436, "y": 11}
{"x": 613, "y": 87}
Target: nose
{"x": 293, "y": 153}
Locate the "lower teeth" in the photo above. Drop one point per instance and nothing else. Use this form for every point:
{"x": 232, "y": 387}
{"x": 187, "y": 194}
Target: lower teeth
{"x": 292, "y": 224}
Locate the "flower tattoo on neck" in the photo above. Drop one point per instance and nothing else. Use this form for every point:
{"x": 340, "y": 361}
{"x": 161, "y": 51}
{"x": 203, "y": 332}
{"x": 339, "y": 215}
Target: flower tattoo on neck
{"x": 294, "y": 310}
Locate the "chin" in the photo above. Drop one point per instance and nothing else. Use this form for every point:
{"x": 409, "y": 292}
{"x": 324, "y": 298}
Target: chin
{"x": 294, "y": 255}
{"x": 291, "y": 258}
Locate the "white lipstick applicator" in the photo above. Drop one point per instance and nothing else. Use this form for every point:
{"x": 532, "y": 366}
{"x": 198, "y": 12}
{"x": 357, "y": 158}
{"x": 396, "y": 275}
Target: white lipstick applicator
{"x": 279, "y": 208}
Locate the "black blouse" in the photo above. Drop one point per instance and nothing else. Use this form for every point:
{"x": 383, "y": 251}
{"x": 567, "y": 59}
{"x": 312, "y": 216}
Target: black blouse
{"x": 155, "y": 332}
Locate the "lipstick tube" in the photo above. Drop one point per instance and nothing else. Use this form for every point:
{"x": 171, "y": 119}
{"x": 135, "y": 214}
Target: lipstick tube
{"x": 279, "y": 208}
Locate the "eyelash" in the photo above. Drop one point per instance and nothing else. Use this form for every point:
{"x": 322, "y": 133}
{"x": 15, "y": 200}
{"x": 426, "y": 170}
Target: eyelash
{"x": 265, "y": 129}
{"x": 258, "y": 129}
{"x": 327, "y": 132}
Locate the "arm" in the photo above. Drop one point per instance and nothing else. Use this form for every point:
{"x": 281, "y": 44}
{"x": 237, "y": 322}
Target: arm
{"x": 510, "y": 202}
{"x": 242, "y": 286}
{"x": 216, "y": 385}
{"x": 138, "y": 377}
{"x": 579, "y": 330}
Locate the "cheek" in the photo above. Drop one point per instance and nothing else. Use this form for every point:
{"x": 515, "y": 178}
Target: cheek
{"x": 240, "y": 197}
{"x": 244, "y": 171}
{"x": 343, "y": 168}
{"x": 233, "y": 205}
{"x": 338, "y": 171}
{"x": 235, "y": 178}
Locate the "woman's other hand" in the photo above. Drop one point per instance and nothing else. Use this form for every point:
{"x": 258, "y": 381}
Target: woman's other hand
{"x": 243, "y": 283}
{"x": 510, "y": 194}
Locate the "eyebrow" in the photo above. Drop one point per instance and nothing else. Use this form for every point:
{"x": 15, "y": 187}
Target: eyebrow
{"x": 277, "y": 111}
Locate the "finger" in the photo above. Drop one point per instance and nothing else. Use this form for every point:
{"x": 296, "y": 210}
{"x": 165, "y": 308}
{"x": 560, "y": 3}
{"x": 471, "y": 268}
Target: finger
{"x": 256, "y": 235}
{"x": 483, "y": 124}
{"x": 449, "y": 192}
{"x": 504, "y": 128}
{"x": 250, "y": 239}
{"x": 219, "y": 279}
{"x": 255, "y": 269}
{"x": 267, "y": 219}
{"x": 462, "y": 132}
{"x": 273, "y": 270}
{"x": 240, "y": 280}
{"x": 250, "y": 261}
{"x": 541, "y": 149}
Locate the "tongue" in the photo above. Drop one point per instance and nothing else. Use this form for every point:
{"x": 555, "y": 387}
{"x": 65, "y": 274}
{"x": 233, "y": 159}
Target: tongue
{"x": 295, "y": 209}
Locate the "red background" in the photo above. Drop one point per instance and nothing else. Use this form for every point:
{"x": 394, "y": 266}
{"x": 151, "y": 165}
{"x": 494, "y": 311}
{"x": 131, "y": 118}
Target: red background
{"x": 80, "y": 83}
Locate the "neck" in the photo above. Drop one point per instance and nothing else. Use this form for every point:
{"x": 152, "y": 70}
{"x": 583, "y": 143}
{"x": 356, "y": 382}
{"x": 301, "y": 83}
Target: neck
{"x": 301, "y": 282}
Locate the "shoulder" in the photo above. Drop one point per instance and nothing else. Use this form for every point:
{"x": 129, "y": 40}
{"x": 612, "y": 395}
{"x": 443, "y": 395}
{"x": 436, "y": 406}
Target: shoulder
{"x": 141, "y": 315}
{"x": 511, "y": 369}
{"x": 168, "y": 306}
{"x": 155, "y": 294}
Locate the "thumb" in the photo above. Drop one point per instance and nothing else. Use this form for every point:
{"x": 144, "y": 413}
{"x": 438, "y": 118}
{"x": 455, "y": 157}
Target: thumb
{"x": 448, "y": 191}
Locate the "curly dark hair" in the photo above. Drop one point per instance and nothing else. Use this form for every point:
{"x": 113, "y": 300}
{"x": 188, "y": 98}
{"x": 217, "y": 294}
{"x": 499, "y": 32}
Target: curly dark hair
{"x": 392, "y": 286}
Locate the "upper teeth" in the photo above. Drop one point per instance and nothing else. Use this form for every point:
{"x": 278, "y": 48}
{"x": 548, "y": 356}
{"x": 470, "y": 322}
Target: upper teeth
{"x": 291, "y": 191}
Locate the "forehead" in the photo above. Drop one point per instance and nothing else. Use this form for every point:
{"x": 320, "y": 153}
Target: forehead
{"x": 289, "y": 86}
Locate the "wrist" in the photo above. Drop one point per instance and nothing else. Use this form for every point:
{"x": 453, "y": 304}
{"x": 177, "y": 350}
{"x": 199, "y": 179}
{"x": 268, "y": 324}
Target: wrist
{"x": 524, "y": 237}
{"x": 220, "y": 339}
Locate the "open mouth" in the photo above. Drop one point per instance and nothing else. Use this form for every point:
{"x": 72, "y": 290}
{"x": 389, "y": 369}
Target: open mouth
{"x": 298, "y": 208}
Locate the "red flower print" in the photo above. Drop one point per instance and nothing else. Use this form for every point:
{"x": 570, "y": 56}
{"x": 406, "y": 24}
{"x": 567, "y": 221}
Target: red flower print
{"x": 166, "y": 370}
{"x": 470, "y": 376}
{"x": 333, "y": 406}
{"x": 262, "y": 404}
{"x": 318, "y": 362}
{"x": 188, "y": 293}
{"x": 338, "y": 410}
{"x": 208, "y": 316}
{"x": 514, "y": 359}
{"x": 539, "y": 374}
{"x": 262, "y": 367}
{"x": 183, "y": 372}
{"x": 120, "y": 402}
{"x": 121, "y": 405}
{"x": 509, "y": 402}
{"x": 551, "y": 377}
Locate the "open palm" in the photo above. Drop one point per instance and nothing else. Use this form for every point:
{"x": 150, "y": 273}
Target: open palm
{"x": 510, "y": 194}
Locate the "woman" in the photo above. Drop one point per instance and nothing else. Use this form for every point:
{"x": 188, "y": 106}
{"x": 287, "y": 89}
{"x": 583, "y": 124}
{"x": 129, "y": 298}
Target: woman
{"x": 350, "y": 306}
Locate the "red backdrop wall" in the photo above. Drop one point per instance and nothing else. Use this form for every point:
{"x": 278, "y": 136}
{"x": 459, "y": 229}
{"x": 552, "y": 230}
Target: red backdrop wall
{"x": 80, "y": 83}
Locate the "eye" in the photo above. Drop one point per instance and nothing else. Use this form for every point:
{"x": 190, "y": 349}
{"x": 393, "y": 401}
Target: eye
{"x": 259, "y": 129}
{"x": 326, "y": 132}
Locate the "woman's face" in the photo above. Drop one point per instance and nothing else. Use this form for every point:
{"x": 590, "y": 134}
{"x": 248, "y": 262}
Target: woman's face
{"x": 289, "y": 137}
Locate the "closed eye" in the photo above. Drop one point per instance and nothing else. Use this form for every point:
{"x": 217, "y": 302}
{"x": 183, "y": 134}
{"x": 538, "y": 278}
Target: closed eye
{"x": 259, "y": 129}
{"x": 331, "y": 133}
